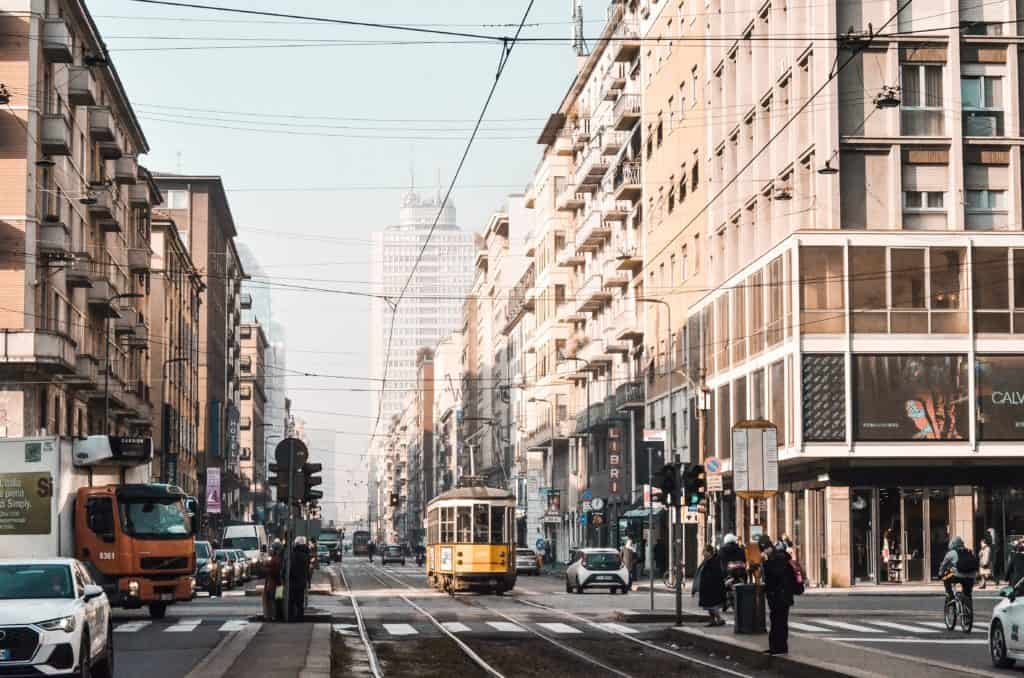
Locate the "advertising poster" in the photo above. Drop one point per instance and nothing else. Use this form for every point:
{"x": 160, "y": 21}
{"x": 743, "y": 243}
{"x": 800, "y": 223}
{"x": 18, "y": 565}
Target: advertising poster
{"x": 25, "y": 503}
{"x": 999, "y": 381}
{"x": 910, "y": 397}
{"x": 213, "y": 490}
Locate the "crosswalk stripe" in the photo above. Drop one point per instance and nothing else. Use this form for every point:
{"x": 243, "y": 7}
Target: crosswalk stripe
{"x": 131, "y": 627}
{"x": 903, "y": 627}
{"x": 400, "y": 629}
{"x": 846, "y": 625}
{"x": 236, "y": 625}
{"x": 942, "y": 626}
{"x": 507, "y": 627}
{"x": 612, "y": 627}
{"x": 558, "y": 627}
{"x": 809, "y": 628}
{"x": 455, "y": 627}
{"x": 184, "y": 626}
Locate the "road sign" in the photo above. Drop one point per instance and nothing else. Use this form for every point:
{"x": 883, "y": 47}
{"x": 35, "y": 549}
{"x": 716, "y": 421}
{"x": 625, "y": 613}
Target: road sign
{"x": 586, "y": 505}
{"x": 583, "y": 519}
{"x": 597, "y": 503}
{"x": 540, "y": 544}
{"x": 715, "y": 482}
{"x": 713, "y": 465}
{"x": 655, "y": 435}
{"x": 587, "y": 495}
{"x": 691, "y": 518}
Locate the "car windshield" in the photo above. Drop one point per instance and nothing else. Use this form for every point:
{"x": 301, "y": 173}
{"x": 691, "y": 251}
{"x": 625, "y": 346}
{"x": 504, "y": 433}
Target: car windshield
{"x": 601, "y": 561}
{"x": 393, "y": 551}
{"x": 18, "y": 582}
{"x": 224, "y": 556}
{"x": 154, "y": 518}
{"x": 244, "y": 543}
{"x": 524, "y": 552}
{"x": 202, "y": 550}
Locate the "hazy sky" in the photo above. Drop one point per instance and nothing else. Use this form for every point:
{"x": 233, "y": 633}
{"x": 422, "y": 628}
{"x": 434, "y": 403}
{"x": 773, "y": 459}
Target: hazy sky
{"x": 315, "y": 143}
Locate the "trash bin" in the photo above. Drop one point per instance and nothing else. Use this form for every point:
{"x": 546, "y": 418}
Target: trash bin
{"x": 750, "y": 615}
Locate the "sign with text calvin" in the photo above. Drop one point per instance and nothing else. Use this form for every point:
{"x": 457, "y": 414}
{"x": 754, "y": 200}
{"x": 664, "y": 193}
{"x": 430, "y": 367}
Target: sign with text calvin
{"x": 755, "y": 459}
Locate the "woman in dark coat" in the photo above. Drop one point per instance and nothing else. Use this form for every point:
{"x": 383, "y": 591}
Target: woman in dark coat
{"x": 709, "y": 585}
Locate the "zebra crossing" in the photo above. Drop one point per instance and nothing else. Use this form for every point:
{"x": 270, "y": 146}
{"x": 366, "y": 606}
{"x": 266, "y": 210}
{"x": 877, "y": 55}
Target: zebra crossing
{"x": 882, "y": 630}
{"x": 400, "y": 630}
{"x": 186, "y": 626}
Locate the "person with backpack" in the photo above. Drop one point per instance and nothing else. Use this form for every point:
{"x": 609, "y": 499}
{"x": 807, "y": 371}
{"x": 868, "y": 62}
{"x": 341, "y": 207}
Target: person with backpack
{"x": 960, "y": 566}
{"x": 781, "y": 584}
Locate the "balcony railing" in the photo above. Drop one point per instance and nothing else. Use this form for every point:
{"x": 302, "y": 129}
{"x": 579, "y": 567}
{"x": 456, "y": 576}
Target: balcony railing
{"x": 626, "y": 112}
{"x": 626, "y": 40}
{"x": 629, "y": 396}
{"x": 592, "y": 295}
{"x": 626, "y": 181}
{"x": 593, "y": 232}
{"x": 520, "y": 298}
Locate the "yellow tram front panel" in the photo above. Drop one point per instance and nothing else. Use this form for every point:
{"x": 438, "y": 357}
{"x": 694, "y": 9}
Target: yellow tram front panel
{"x": 481, "y": 558}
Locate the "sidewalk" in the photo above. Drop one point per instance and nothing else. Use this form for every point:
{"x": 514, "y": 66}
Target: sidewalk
{"x": 814, "y": 658}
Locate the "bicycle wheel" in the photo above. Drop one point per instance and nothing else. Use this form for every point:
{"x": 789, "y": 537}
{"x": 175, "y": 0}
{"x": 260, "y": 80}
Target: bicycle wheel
{"x": 949, "y": 615}
{"x": 966, "y": 617}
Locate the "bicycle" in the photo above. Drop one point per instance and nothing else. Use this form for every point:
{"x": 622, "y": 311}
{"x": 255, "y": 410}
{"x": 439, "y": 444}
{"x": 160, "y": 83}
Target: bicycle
{"x": 959, "y": 608}
{"x": 670, "y": 580}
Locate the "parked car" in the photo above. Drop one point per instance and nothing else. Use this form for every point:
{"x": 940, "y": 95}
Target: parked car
{"x": 55, "y": 620}
{"x": 526, "y": 562}
{"x": 392, "y": 554}
{"x": 595, "y": 568}
{"x": 1004, "y": 640}
{"x": 207, "y": 576}
{"x": 248, "y": 566}
{"x": 229, "y": 567}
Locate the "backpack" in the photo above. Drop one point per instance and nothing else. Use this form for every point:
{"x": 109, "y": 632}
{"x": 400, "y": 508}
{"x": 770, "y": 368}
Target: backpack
{"x": 966, "y": 561}
{"x": 799, "y": 580}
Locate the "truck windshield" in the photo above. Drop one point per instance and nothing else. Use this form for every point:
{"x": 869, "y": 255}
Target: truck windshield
{"x": 244, "y": 543}
{"x": 153, "y": 518}
{"x": 202, "y": 550}
{"x": 18, "y": 582}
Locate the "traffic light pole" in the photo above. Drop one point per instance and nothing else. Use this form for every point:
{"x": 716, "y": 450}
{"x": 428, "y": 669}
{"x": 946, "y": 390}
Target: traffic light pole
{"x": 290, "y": 532}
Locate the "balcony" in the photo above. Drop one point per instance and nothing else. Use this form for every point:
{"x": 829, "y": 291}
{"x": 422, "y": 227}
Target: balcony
{"x": 626, "y": 181}
{"x": 626, "y": 41}
{"x": 138, "y": 195}
{"x": 99, "y": 296}
{"x": 55, "y": 136}
{"x": 614, "y": 277}
{"x": 581, "y": 132}
{"x": 570, "y": 258}
{"x": 57, "y": 47}
{"x": 590, "y": 171}
{"x": 627, "y": 326}
{"x": 564, "y": 144}
{"x": 53, "y": 350}
{"x": 522, "y": 297}
{"x": 139, "y": 337}
{"x": 126, "y": 170}
{"x": 125, "y": 322}
{"x": 543, "y": 435}
{"x": 245, "y": 301}
{"x": 102, "y": 211}
{"x": 101, "y": 124}
{"x": 54, "y": 239}
{"x": 567, "y": 313}
{"x": 110, "y": 150}
{"x": 138, "y": 259}
{"x": 79, "y": 272}
{"x": 593, "y": 233}
{"x": 629, "y": 396}
{"x": 626, "y": 112}
{"x": 569, "y": 200}
{"x": 612, "y": 141}
{"x": 80, "y": 86}
{"x": 617, "y": 76}
{"x": 592, "y": 296}
{"x": 618, "y": 210}
{"x": 87, "y": 372}
{"x": 629, "y": 259}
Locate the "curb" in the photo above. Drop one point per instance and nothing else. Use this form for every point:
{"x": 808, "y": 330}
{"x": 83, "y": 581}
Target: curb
{"x": 657, "y": 617}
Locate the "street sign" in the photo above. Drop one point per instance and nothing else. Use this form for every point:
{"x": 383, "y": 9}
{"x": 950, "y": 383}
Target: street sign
{"x": 587, "y": 495}
{"x": 715, "y": 482}
{"x": 655, "y": 435}
{"x": 586, "y": 505}
{"x": 583, "y": 519}
{"x": 755, "y": 459}
{"x": 713, "y": 465}
{"x": 691, "y": 518}
{"x": 540, "y": 544}
{"x": 597, "y": 503}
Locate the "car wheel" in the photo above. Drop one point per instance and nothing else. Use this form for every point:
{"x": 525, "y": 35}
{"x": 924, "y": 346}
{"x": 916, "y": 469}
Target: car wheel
{"x": 85, "y": 657}
{"x": 579, "y": 588}
{"x": 997, "y": 647}
{"x": 157, "y": 610}
{"x": 105, "y": 668}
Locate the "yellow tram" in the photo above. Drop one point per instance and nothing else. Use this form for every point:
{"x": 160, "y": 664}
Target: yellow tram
{"x": 471, "y": 540}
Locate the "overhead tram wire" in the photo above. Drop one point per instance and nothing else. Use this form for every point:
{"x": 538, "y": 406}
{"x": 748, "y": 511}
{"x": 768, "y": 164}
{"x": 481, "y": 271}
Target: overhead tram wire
{"x": 506, "y": 52}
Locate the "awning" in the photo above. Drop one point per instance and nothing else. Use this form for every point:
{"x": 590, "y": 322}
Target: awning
{"x": 641, "y": 512}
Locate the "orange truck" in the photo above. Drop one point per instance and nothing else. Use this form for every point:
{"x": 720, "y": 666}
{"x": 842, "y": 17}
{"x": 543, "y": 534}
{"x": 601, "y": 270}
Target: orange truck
{"x": 91, "y": 499}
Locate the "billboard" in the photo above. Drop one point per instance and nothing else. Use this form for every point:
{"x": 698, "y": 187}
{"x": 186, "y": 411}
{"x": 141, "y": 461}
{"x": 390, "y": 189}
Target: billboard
{"x": 910, "y": 397}
{"x": 824, "y": 397}
{"x": 213, "y": 490}
{"x": 999, "y": 381}
{"x": 26, "y": 501}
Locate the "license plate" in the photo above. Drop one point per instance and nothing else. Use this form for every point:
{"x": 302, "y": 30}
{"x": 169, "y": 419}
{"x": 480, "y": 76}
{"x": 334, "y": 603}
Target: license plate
{"x": 5, "y": 655}
{"x": 166, "y": 596}
{"x": 606, "y": 578}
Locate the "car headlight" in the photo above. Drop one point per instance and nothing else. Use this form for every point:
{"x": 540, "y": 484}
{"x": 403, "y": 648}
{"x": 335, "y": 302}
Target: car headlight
{"x": 208, "y": 567}
{"x": 65, "y": 624}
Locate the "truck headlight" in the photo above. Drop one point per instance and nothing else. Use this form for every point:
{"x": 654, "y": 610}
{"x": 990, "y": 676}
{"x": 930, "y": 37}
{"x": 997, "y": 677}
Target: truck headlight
{"x": 65, "y": 624}
{"x": 133, "y": 588}
{"x": 208, "y": 567}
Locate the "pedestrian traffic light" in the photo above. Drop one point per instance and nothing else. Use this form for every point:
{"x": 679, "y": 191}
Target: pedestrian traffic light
{"x": 668, "y": 479}
{"x": 695, "y": 487}
{"x": 311, "y": 480}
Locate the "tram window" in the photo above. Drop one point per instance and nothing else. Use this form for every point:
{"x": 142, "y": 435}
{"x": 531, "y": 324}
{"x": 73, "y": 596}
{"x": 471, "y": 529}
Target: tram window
{"x": 497, "y": 524}
{"x": 480, "y": 518}
{"x": 465, "y": 525}
{"x": 447, "y": 524}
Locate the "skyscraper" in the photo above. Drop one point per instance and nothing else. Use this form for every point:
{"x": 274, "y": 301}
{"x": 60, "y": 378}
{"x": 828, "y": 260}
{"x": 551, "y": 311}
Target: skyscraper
{"x": 431, "y": 307}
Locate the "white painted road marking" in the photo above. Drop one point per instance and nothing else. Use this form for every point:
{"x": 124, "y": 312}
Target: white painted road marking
{"x": 558, "y": 627}
{"x": 345, "y": 629}
{"x": 455, "y": 627}
{"x": 612, "y": 627}
{"x": 400, "y": 629}
{"x": 131, "y": 627}
{"x": 910, "y": 641}
{"x": 184, "y": 626}
{"x": 235, "y": 625}
{"x": 810, "y": 628}
{"x": 507, "y": 627}
{"x": 846, "y": 626}
{"x": 903, "y": 627}
{"x": 942, "y": 626}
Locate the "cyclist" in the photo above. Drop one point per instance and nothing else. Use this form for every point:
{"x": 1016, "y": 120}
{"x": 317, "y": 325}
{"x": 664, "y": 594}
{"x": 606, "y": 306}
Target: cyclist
{"x": 960, "y": 566}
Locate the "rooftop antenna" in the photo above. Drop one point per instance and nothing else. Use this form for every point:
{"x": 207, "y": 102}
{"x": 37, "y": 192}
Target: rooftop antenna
{"x": 578, "y": 42}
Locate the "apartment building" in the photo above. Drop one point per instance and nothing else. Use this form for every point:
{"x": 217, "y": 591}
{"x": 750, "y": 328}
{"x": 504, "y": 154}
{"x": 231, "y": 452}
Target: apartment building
{"x": 199, "y": 207}
{"x": 253, "y": 424}
{"x": 75, "y": 243}
{"x": 447, "y": 369}
{"x": 174, "y": 359}
{"x": 863, "y": 260}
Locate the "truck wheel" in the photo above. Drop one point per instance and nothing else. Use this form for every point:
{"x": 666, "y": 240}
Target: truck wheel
{"x": 157, "y": 610}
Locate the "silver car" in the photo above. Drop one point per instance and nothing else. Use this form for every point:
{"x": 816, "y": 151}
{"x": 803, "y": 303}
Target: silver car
{"x": 526, "y": 562}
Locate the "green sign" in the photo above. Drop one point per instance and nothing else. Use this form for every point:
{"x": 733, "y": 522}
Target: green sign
{"x": 25, "y": 503}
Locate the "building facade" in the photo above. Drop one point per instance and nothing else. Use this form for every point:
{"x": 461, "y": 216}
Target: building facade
{"x": 253, "y": 424}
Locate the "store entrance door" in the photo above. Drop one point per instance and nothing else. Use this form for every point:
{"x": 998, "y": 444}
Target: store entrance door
{"x": 862, "y": 525}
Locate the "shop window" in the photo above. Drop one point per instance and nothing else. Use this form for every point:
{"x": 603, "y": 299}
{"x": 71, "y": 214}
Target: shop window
{"x": 1018, "y": 291}
{"x": 821, "y": 290}
{"x": 991, "y": 286}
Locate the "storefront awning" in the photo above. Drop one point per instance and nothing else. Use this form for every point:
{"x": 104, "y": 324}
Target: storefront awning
{"x": 641, "y": 512}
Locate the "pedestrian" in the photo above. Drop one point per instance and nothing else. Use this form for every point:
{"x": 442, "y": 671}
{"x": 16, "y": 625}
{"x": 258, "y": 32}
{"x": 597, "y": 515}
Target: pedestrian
{"x": 628, "y": 555}
{"x": 780, "y": 586}
{"x": 298, "y": 573}
{"x": 659, "y": 556}
{"x": 1015, "y": 564}
{"x": 984, "y": 562}
{"x": 709, "y": 586}
{"x": 369, "y": 550}
{"x": 271, "y": 606}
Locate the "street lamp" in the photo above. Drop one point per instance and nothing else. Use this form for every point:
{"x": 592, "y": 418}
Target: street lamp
{"x": 106, "y": 355}
{"x": 165, "y": 433}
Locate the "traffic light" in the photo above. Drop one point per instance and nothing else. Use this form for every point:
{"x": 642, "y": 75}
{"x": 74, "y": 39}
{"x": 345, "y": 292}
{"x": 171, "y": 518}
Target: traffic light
{"x": 280, "y": 481}
{"x": 310, "y": 480}
{"x": 695, "y": 485}
{"x": 393, "y": 499}
{"x": 668, "y": 481}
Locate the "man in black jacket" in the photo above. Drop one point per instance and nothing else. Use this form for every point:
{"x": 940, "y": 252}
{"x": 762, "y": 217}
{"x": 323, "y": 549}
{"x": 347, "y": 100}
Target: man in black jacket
{"x": 779, "y": 585}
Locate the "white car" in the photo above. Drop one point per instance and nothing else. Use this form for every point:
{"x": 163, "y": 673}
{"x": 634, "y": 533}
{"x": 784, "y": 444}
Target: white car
{"x": 596, "y": 569}
{"x": 54, "y": 621}
{"x": 1005, "y": 641}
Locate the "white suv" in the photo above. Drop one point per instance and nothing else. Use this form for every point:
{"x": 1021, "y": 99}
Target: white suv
{"x": 596, "y": 569}
{"x": 1004, "y": 639}
{"x": 53, "y": 620}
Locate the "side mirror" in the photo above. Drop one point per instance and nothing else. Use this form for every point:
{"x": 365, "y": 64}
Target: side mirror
{"x": 92, "y": 592}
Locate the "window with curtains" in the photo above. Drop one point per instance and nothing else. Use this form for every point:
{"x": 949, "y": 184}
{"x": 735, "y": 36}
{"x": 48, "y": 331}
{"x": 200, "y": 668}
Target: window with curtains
{"x": 921, "y": 100}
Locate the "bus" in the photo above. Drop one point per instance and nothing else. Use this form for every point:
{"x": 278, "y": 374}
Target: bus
{"x": 361, "y": 543}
